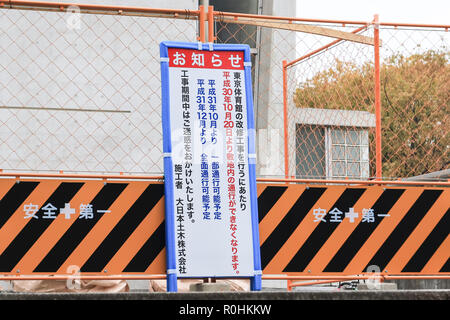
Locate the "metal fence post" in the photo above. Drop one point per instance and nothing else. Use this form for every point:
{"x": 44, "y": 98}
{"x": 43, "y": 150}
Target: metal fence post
{"x": 285, "y": 121}
{"x": 377, "y": 94}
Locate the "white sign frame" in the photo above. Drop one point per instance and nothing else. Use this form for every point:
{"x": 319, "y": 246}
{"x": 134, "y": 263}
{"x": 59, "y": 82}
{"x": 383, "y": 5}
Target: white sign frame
{"x": 171, "y": 105}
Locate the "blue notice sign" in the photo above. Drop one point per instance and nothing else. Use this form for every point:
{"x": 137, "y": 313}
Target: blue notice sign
{"x": 209, "y": 162}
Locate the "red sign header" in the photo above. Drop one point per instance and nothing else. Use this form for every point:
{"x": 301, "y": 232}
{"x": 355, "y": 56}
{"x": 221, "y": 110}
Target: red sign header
{"x": 188, "y": 58}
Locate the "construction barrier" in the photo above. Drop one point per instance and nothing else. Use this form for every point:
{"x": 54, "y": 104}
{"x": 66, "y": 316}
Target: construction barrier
{"x": 330, "y": 230}
{"x": 53, "y": 226}
{"x": 332, "y": 98}
{"x": 96, "y": 227}
{"x": 80, "y": 92}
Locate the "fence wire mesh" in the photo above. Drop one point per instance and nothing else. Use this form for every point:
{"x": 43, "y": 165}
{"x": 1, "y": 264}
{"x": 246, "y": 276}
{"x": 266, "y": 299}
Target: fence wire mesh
{"x": 332, "y": 113}
{"x": 331, "y": 116}
{"x": 81, "y": 92}
{"x": 270, "y": 47}
{"x": 415, "y": 97}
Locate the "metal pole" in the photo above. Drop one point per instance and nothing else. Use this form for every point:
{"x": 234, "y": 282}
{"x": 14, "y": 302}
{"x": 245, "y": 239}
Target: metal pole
{"x": 377, "y": 92}
{"x": 201, "y": 22}
{"x": 210, "y": 33}
{"x": 285, "y": 118}
{"x": 256, "y": 79}
{"x": 205, "y": 5}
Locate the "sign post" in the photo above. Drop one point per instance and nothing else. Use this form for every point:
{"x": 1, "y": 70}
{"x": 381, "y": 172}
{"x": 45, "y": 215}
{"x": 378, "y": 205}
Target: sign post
{"x": 209, "y": 162}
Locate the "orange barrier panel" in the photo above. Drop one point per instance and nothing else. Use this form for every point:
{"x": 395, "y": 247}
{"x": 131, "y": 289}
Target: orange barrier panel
{"x": 339, "y": 230}
{"x": 48, "y": 226}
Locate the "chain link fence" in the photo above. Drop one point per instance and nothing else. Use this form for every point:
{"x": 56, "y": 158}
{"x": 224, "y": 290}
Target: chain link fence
{"x": 269, "y": 47}
{"x": 81, "y": 93}
{"x": 415, "y": 97}
{"x": 331, "y": 114}
{"x": 331, "y": 111}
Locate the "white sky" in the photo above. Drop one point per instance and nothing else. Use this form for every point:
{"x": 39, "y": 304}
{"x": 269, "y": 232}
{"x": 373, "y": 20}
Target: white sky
{"x": 409, "y": 11}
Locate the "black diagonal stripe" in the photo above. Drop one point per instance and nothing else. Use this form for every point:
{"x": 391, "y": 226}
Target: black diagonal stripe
{"x": 322, "y": 232}
{"x": 267, "y": 200}
{"x": 11, "y": 201}
{"x": 446, "y": 267}
{"x": 124, "y": 228}
{"x": 36, "y": 227}
{"x": 409, "y": 222}
{"x": 79, "y": 229}
{"x": 429, "y": 246}
{"x": 363, "y": 231}
{"x": 288, "y": 224}
{"x": 148, "y": 252}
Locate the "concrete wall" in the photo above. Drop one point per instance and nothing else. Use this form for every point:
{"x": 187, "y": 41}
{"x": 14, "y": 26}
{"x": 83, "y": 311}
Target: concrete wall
{"x": 80, "y": 93}
{"x": 235, "y": 33}
{"x": 275, "y": 46}
{"x": 425, "y": 284}
{"x": 108, "y": 66}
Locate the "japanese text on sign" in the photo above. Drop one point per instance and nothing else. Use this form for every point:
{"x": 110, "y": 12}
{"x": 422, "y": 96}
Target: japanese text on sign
{"x": 49, "y": 211}
{"x": 336, "y": 215}
{"x": 209, "y": 136}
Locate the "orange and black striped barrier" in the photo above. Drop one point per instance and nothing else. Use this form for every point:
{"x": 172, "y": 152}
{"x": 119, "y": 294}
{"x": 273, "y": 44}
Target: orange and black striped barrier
{"x": 47, "y": 226}
{"x": 335, "y": 230}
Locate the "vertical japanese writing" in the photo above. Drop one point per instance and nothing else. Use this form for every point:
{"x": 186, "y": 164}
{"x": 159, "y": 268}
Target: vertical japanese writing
{"x": 210, "y": 163}
{"x": 204, "y": 172}
{"x": 228, "y": 124}
{"x": 215, "y": 165}
{"x": 184, "y": 206}
{"x": 201, "y": 105}
{"x": 204, "y": 162}
{"x": 216, "y": 190}
{"x": 181, "y": 235}
{"x": 240, "y": 143}
{"x": 213, "y": 115}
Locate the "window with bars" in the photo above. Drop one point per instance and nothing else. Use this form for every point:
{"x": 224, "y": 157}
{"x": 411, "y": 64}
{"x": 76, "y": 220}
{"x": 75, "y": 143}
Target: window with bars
{"x": 348, "y": 153}
{"x": 331, "y": 152}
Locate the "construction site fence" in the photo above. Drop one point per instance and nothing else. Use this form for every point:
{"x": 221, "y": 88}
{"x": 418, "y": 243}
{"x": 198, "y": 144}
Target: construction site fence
{"x": 404, "y": 237}
{"x": 336, "y": 102}
{"x": 80, "y": 91}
